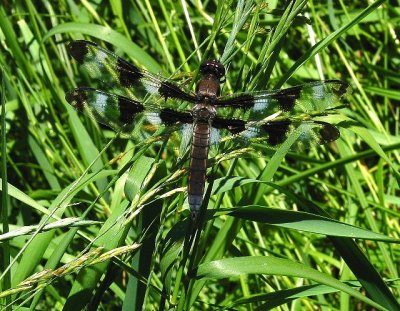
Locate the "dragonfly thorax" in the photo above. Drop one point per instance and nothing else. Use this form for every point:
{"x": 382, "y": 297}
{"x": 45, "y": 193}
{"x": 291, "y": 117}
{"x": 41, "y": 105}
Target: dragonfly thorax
{"x": 203, "y": 112}
{"x": 208, "y": 88}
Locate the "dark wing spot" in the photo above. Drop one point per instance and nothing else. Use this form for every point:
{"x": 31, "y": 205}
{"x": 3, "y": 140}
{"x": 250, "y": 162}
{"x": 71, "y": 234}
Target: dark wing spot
{"x": 287, "y": 98}
{"x": 78, "y": 50}
{"x": 169, "y": 116}
{"x": 170, "y": 90}
{"x": 128, "y": 109}
{"x": 234, "y": 126}
{"x": 245, "y": 101}
{"x": 128, "y": 73}
{"x": 277, "y": 132}
{"x": 77, "y": 99}
{"x": 342, "y": 88}
{"x": 328, "y": 133}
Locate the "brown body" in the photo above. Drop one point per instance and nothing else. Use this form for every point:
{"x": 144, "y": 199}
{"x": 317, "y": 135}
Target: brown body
{"x": 203, "y": 113}
{"x": 198, "y": 165}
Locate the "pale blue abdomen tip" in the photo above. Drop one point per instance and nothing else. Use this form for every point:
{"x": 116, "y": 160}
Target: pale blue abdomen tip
{"x": 195, "y": 201}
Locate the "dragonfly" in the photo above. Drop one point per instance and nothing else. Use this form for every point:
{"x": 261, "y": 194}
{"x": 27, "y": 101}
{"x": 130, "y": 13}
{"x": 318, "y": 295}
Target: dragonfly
{"x": 131, "y": 100}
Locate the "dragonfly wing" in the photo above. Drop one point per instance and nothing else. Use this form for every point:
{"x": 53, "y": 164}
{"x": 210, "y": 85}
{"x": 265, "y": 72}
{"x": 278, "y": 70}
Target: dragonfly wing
{"x": 301, "y": 135}
{"x": 123, "y": 114}
{"x": 308, "y": 99}
{"x": 118, "y": 75}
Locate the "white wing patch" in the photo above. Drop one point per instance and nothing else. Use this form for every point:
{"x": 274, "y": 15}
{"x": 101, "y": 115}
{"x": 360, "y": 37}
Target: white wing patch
{"x": 154, "y": 118}
{"x": 260, "y": 104}
{"x": 249, "y": 133}
{"x": 101, "y": 100}
{"x": 152, "y": 88}
{"x": 215, "y": 136}
{"x": 100, "y": 56}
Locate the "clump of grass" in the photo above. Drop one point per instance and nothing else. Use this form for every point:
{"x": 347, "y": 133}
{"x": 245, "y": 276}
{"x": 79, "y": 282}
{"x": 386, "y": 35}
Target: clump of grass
{"x": 305, "y": 230}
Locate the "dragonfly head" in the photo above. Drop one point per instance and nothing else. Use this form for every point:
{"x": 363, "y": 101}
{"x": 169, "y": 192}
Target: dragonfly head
{"x": 213, "y": 67}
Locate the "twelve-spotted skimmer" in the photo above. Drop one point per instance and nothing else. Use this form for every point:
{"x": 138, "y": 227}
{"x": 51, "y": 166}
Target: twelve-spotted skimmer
{"x": 141, "y": 99}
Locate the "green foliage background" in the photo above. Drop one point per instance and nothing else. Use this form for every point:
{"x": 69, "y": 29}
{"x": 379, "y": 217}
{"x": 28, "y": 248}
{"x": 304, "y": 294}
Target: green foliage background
{"x": 308, "y": 231}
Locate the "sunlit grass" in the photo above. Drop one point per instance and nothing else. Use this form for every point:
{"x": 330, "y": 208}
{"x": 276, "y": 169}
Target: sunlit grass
{"x": 307, "y": 231}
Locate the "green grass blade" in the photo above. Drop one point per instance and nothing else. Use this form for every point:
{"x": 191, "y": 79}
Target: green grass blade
{"x": 233, "y": 267}
{"x": 328, "y": 40}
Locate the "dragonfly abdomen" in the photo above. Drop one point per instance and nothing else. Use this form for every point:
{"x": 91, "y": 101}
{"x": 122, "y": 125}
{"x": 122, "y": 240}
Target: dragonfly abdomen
{"x": 198, "y": 166}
